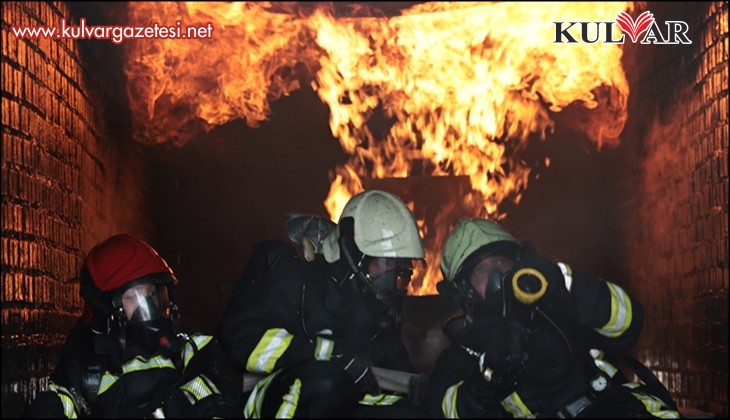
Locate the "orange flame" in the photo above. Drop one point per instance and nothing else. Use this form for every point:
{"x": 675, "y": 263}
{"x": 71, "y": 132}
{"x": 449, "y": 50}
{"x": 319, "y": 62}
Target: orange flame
{"x": 461, "y": 89}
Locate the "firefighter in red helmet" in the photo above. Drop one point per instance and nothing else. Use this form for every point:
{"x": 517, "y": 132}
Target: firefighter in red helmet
{"x": 128, "y": 356}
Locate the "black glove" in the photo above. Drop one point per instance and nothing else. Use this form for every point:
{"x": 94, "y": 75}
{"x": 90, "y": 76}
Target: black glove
{"x": 536, "y": 279}
{"x": 487, "y": 385}
{"x": 359, "y": 368}
{"x": 178, "y": 406}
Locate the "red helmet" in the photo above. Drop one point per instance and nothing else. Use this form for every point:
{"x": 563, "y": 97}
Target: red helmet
{"x": 115, "y": 263}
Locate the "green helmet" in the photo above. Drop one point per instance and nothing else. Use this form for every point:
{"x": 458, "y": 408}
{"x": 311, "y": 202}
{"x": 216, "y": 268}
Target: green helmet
{"x": 383, "y": 227}
{"x": 469, "y": 236}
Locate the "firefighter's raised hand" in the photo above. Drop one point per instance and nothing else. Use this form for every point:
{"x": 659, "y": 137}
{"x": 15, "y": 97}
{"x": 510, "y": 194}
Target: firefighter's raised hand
{"x": 535, "y": 279}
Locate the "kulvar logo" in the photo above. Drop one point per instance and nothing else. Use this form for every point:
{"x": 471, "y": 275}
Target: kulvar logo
{"x": 603, "y": 32}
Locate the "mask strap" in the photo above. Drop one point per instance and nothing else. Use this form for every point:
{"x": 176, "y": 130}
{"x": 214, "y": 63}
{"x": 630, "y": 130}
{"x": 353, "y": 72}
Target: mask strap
{"x": 347, "y": 243}
{"x": 175, "y": 317}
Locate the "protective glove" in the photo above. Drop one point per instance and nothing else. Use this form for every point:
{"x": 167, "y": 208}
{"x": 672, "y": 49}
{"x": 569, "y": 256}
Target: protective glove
{"x": 359, "y": 369}
{"x": 357, "y": 366}
{"x": 179, "y": 406}
{"x": 536, "y": 279}
{"x": 486, "y": 388}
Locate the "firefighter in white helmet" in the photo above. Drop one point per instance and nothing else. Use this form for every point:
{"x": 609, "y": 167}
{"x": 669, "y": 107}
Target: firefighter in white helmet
{"x": 536, "y": 338}
{"x": 316, "y": 328}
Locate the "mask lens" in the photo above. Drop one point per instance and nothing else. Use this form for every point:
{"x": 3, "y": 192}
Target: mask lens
{"x": 144, "y": 302}
{"x": 390, "y": 276}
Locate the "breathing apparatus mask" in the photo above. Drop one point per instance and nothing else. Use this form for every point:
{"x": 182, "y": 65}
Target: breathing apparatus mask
{"x": 382, "y": 281}
{"x": 499, "y": 327}
{"x": 147, "y": 315}
{"x": 505, "y": 326}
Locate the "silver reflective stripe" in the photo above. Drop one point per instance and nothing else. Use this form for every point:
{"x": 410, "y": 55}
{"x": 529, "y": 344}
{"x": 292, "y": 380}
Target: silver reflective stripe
{"x": 323, "y": 348}
{"x": 189, "y": 396}
{"x": 199, "y": 388}
{"x": 567, "y": 275}
{"x": 272, "y": 345}
{"x": 620, "y": 313}
{"x": 606, "y": 367}
{"x": 448, "y": 404}
{"x": 290, "y": 400}
{"x": 158, "y": 414}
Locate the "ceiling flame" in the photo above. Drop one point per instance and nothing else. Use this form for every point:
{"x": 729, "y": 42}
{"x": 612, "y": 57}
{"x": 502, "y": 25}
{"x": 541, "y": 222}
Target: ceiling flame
{"x": 444, "y": 89}
{"x": 178, "y": 88}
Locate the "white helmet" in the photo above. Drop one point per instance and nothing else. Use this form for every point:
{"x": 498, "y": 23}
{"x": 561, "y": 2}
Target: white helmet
{"x": 383, "y": 227}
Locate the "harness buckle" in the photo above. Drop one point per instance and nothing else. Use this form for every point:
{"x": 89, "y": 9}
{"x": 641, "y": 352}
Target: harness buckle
{"x": 574, "y": 408}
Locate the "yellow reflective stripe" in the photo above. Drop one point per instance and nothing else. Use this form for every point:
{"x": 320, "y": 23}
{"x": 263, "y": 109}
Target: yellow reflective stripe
{"x": 620, "y": 313}
{"x": 137, "y": 364}
{"x": 107, "y": 380}
{"x": 291, "y": 399}
{"x": 390, "y": 399}
{"x": 256, "y": 398}
{"x": 380, "y": 399}
{"x": 140, "y": 363}
{"x": 448, "y": 404}
{"x": 269, "y": 349}
{"x": 513, "y": 404}
{"x": 199, "y": 387}
{"x": 200, "y": 342}
{"x": 655, "y": 406}
{"x": 606, "y": 367}
{"x": 69, "y": 408}
{"x": 323, "y": 348}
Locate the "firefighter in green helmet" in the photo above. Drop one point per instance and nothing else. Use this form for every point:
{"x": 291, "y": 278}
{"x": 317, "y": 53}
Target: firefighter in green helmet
{"x": 536, "y": 338}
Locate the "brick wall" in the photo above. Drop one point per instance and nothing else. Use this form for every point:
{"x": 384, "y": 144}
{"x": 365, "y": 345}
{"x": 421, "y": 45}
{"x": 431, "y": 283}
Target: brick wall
{"x": 70, "y": 178}
{"x": 672, "y": 237}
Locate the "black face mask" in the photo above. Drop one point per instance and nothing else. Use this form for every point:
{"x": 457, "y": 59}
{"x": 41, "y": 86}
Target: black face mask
{"x": 385, "y": 307}
{"x": 389, "y": 288}
{"x": 155, "y": 336}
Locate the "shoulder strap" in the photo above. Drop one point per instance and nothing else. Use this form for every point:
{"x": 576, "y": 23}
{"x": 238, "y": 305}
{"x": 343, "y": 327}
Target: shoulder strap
{"x": 92, "y": 378}
{"x": 301, "y": 309}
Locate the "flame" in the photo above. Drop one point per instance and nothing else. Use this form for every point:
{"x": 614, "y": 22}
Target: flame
{"x": 444, "y": 89}
{"x": 178, "y": 88}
